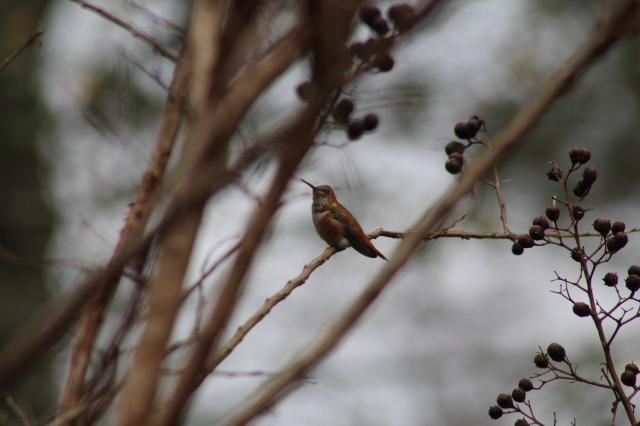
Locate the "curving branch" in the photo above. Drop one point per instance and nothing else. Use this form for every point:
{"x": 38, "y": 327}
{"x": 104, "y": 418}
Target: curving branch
{"x": 32, "y": 39}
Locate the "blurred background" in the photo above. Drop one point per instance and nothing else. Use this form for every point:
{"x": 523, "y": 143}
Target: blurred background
{"x": 462, "y": 321}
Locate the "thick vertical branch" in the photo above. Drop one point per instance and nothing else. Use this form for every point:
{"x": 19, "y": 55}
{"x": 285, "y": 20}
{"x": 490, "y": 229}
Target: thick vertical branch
{"x": 274, "y": 389}
{"x": 204, "y": 159}
{"x": 133, "y": 229}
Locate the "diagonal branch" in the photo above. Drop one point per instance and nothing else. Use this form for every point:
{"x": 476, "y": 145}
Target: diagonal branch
{"x": 275, "y": 389}
{"x": 136, "y": 32}
{"x": 32, "y": 39}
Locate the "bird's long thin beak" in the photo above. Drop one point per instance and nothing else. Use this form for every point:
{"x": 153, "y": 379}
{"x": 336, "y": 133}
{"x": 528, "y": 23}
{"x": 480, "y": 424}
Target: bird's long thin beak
{"x": 312, "y": 187}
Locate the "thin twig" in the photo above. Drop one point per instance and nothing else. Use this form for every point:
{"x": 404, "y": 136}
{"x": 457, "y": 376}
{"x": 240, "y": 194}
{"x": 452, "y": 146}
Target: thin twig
{"x": 136, "y": 32}
{"x": 32, "y": 39}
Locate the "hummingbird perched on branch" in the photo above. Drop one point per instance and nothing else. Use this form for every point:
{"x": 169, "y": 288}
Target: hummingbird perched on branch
{"x": 336, "y": 225}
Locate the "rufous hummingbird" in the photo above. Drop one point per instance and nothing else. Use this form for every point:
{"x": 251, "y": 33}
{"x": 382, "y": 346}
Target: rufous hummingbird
{"x": 336, "y": 225}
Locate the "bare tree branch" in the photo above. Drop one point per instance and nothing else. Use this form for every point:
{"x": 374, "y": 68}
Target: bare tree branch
{"x": 32, "y": 39}
{"x": 137, "y": 33}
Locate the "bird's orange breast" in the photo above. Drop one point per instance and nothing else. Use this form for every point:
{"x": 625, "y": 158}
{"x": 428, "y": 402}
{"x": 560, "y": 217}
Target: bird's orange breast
{"x": 329, "y": 229}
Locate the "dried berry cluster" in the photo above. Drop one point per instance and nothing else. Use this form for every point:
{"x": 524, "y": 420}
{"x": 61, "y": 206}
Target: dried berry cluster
{"x": 466, "y": 130}
{"x": 546, "y": 232}
{"x": 356, "y": 127}
{"x": 370, "y": 55}
{"x": 610, "y": 237}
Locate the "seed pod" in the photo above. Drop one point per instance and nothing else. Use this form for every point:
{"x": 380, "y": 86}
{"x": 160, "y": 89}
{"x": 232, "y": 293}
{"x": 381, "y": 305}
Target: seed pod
{"x": 504, "y": 400}
{"x": 517, "y": 249}
{"x": 383, "y": 62}
{"x": 521, "y": 422}
{"x": 634, "y": 270}
{"x": 553, "y": 212}
{"x": 556, "y": 352}
{"x": 542, "y": 222}
{"x": 632, "y": 367}
{"x": 495, "y": 412}
{"x": 379, "y": 25}
{"x": 603, "y": 226}
{"x": 582, "y": 189}
{"x": 475, "y": 123}
{"x": 342, "y": 110}
{"x": 525, "y": 241}
{"x": 541, "y": 360}
{"x": 536, "y": 232}
{"x": 454, "y": 146}
{"x": 610, "y": 279}
{"x": 617, "y": 227}
{"x": 525, "y": 384}
{"x": 453, "y": 164}
{"x": 402, "y": 15}
{"x": 368, "y": 13}
{"x": 555, "y": 174}
{"x": 632, "y": 282}
{"x": 576, "y": 254}
{"x": 579, "y": 155}
{"x": 355, "y": 129}
{"x": 578, "y": 212}
{"x": 518, "y": 395}
{"x": 463, "y": 130}
{"x": 370, "y": 122}
{"x": 628, "y": 378}
{"x": 589, "y": 175}
{"x": 581, "y": 309}
{"x": 617, "y": 242}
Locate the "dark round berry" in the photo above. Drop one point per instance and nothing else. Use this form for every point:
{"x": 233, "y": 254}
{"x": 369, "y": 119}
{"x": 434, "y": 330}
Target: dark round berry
{"x": 617, "y": 242}
{"x": 454, "y": 146}
{"x": 504, "y": 400}
{"x": 579, "y": 155}
{"x": 610, "y": 279}
{"x": 632, "y": 367}
{"x": 556, "y": 352}
{"x": 576, "y": 254}
{"x": 617, "y": 227}
{"x": 542, "y": 222}
{"x": 495, "y": 412}
{"x": 525, "y": 384}
{"x": 342, "y": 110}
{"x": 454, "y": 164}
{"x": 475, "y": 123}
{"x": 589, "y": 175}
{"x": 402, "y": 15}
{"x": 517, "y": 249}
{"x": 578, "y": 212}
{"x": 628, "y": 378}
{"x": 552, "y": 212}
{"x": 383, "y": 62}
{"x": 555, "y": 174}
{"x": 379, "y": 25}
{"x": 518, "y": 395}
{"x": 355, "y": 129}
{"x": 304, "y": 90}
{"x": 632, "y": 282}
{"x": 634, "y": 270}
{"x": 525, "y": 241}
{"x": 602, "y": 226}
{"x": 370, "y": 122}
{"x": 541, "y": 360}
{"x": 582, "y": 189}
{"x": 521, "y": 422}
{"x": 536, "y": 232}
{"x": 581, "y": 309}
{"x": 364, "y": 50}
{"x": 463, "y": 130}
{"x": 368, "y": 13}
